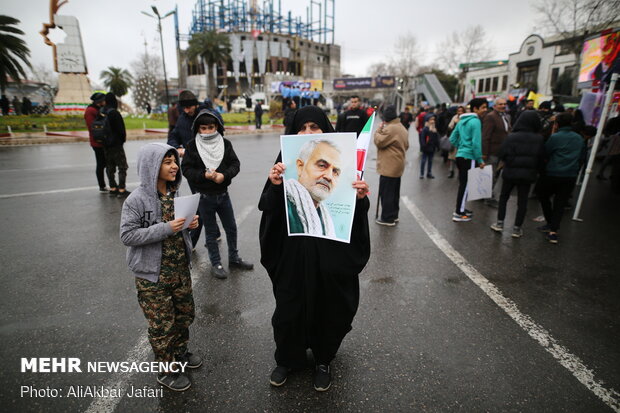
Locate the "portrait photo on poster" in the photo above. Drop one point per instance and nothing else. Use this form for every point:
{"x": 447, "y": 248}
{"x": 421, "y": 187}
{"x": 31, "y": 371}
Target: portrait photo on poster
{"x": 320, "y": 168}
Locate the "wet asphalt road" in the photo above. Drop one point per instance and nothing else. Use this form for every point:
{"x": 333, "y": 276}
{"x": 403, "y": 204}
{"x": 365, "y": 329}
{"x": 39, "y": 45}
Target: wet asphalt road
{"x": 425, "y": 338}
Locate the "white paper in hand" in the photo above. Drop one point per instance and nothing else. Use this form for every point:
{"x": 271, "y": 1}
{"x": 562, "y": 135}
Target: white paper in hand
{"x": 479, "y": 183}
{"x": 185, "y": 207}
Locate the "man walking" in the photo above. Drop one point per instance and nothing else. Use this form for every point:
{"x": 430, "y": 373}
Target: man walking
{"x": 406, "y": 117}
{"x": 564, "y": 151}
{"x": 392, "y": 142}
{"x": 258, "y": 114}
{"x": 495, "y": 128}
{"x": 354, "y": 119}
{"x": 90, "y": 114}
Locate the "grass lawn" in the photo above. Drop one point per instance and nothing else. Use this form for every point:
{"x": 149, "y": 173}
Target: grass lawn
{"x": 36, "y": 123}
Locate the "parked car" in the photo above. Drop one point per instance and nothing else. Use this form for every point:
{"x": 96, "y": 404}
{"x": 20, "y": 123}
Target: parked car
{"x": 238, "y": 105}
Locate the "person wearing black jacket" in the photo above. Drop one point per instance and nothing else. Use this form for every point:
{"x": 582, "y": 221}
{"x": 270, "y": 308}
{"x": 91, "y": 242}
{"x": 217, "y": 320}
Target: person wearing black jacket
{"x": 114, "y": 152}
{"x": 522, "y": 155}
{"x": 315, "y": 280}
{"x": 209, "y": 165}
{"x": 354, "y": 119}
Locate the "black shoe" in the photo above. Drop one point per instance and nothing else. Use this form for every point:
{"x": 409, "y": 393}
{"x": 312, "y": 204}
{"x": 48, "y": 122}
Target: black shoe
{"x": 219, "y": 272}
{"x": 113, "y": 192}
{"x": 240, "y": 264}
{"x": 193, "y": 361}
{"x": 103, "y": 190}
{"x": 174, "y": 381}
{"x": 451, "y": 174}
{"x": 322, "y": 377}
{"x": 123, "y": 194}
{"x": 430, "y": 176}
{"x": 279, "y": 375}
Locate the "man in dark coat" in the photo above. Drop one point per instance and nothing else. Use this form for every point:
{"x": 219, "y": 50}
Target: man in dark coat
{"x": 354, "y": 119}
{"x": 495, "y": 128}
{"x": 258, "y": 114}
{"x": 315, "y": 280}
{"x": 90, "y": 114}
{"x": 114, "y": 152}
{"x": 522, "y": 156}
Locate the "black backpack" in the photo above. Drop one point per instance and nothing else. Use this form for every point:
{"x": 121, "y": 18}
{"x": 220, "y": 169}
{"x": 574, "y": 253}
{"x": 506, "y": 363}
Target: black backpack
{"x": 102, "y": 133}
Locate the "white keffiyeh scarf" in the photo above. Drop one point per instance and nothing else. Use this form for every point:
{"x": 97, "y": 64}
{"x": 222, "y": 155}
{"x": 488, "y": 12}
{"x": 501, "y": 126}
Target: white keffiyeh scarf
{"x": 211, "y": 149}
{"x": 299, "y": 196}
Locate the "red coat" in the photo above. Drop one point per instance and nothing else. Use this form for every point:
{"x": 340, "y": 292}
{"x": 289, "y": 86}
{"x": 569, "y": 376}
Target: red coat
{"x": 90, "y": 114}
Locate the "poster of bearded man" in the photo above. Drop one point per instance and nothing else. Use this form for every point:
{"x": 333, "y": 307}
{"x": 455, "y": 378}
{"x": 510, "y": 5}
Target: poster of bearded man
{"x": 320, "y": 168}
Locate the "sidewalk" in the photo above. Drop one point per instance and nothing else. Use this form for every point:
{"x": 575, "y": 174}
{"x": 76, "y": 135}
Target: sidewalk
{"x": 46, "y": 138}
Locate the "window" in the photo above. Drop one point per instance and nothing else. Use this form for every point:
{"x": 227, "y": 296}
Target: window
{"x": 555, "y": 73}
{"x": 495, "y": 83}
{"x": 487, "y": 84}
{"x": 505, "y": 82}
{"x": 480, "y": 85}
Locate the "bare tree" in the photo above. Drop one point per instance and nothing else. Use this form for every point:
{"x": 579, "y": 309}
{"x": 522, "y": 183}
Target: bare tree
{"x": 470, "y": 45}
{"x": 574, "y": 20}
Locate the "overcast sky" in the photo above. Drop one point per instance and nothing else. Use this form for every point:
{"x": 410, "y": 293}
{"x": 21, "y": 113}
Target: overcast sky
{"x": 114, "y": 31}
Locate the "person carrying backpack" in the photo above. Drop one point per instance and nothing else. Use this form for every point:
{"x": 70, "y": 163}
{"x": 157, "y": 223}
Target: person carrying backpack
{"x": 113, "y": 146}
{"x": 90, "y": 115}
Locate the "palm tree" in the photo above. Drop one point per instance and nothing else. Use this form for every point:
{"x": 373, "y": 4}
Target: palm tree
{"x": 117, "y": 80}
{"x": 212, "y": 48}
{"x": 12, "y": 51}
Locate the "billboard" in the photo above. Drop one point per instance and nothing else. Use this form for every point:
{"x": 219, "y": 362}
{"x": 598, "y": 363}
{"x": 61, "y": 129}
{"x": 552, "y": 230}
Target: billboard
{"x": 276, "y": 87}
{"x": 349, "y": 83}
{"x": 599, "y": 58}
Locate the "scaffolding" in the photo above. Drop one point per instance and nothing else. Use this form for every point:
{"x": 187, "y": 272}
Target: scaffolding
{"x": 247, "y": 16}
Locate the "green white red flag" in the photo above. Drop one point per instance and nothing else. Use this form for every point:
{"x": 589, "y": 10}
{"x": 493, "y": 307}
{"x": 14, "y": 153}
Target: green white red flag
{"x": 363, "y": 141}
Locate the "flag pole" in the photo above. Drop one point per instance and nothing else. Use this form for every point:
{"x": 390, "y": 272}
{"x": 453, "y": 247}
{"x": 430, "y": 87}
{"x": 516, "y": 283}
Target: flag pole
{"x": 597, "y": 138}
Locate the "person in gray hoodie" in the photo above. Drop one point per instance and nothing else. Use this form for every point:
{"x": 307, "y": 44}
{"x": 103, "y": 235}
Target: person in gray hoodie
{"x": 159, "y": 256}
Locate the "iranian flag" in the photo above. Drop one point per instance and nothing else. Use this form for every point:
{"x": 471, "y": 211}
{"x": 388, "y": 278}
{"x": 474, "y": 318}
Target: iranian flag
{"x": 362, "y": 145}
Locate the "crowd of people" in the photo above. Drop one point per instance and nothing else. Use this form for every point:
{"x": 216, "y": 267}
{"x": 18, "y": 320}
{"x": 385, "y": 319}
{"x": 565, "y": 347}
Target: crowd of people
{"x": 314, "y": 278}
{"x": 23, "y": 107}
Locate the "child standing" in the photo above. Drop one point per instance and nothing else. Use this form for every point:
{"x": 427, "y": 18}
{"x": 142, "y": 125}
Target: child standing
{"x": 429, "y": 143}
{"x": 210, "y": 164}
{"x": 159, "y": 256}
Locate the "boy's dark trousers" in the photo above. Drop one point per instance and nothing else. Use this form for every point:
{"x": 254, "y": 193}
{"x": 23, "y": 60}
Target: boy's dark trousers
{"x": 115, "y": 158}
{"x": 168, "y": 306}
{"x": 523, "y": 189}
{"x": 209, "y": 206}
{"x": 463, "y": 166}
{"x": 560, "y": 188}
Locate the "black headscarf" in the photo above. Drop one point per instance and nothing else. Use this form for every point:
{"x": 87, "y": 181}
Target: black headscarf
{"x": 529, "y": 121}
{"x": 309, "y": 114}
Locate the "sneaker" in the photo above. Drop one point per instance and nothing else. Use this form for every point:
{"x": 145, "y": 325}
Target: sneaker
{"x": 174, "y": 381}
{"x": 322, "y": 378}
{"x": 552, "y": 237}
{"x": 544, "y": 228}
{"x": 386, "y": 223}
{"x": 219, "y": 272}
{"x": 498, "y": 226}
{"x": 517, "y": 232}
{"x": 421, "y": 176}
{"x": 123, "y": 194}
{"x": 104, "y": 190}
{"x": 469, "y": 213}
{"x": 113, "y": 192}
{"x": 430, "y": 176}
{"x": 193, "y": 361}
{"x": 240, "y": 264}
{"x": 279, "y": 375}
{"x": 460, "y": 217}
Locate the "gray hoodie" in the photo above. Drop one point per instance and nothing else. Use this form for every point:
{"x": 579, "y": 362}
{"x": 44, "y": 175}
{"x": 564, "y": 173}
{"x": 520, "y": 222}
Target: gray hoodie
{"x": 142, "y": 229}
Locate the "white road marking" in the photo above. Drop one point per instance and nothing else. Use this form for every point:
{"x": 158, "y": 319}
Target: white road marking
{"x": 60, "y": 191}
{"x": 142, "y": 349}
{"x": 570, "y": 361}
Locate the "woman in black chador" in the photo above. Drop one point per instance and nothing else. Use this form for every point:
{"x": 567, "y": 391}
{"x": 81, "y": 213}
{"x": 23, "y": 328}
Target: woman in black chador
{"x": 315, "y": 280}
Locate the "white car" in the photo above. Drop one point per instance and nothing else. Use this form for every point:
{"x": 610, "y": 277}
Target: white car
{"x": 238, "y": 105}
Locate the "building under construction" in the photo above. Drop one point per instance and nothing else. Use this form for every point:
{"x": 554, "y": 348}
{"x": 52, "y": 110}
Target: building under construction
{"x": 267, "y": 46}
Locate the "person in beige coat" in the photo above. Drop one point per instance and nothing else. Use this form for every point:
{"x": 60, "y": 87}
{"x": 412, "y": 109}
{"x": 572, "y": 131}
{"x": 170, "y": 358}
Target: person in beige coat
{"x": 392, "y": 140}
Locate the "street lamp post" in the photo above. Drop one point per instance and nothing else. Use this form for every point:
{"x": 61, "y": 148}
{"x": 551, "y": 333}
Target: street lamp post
{"x": 161, "y": 39}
